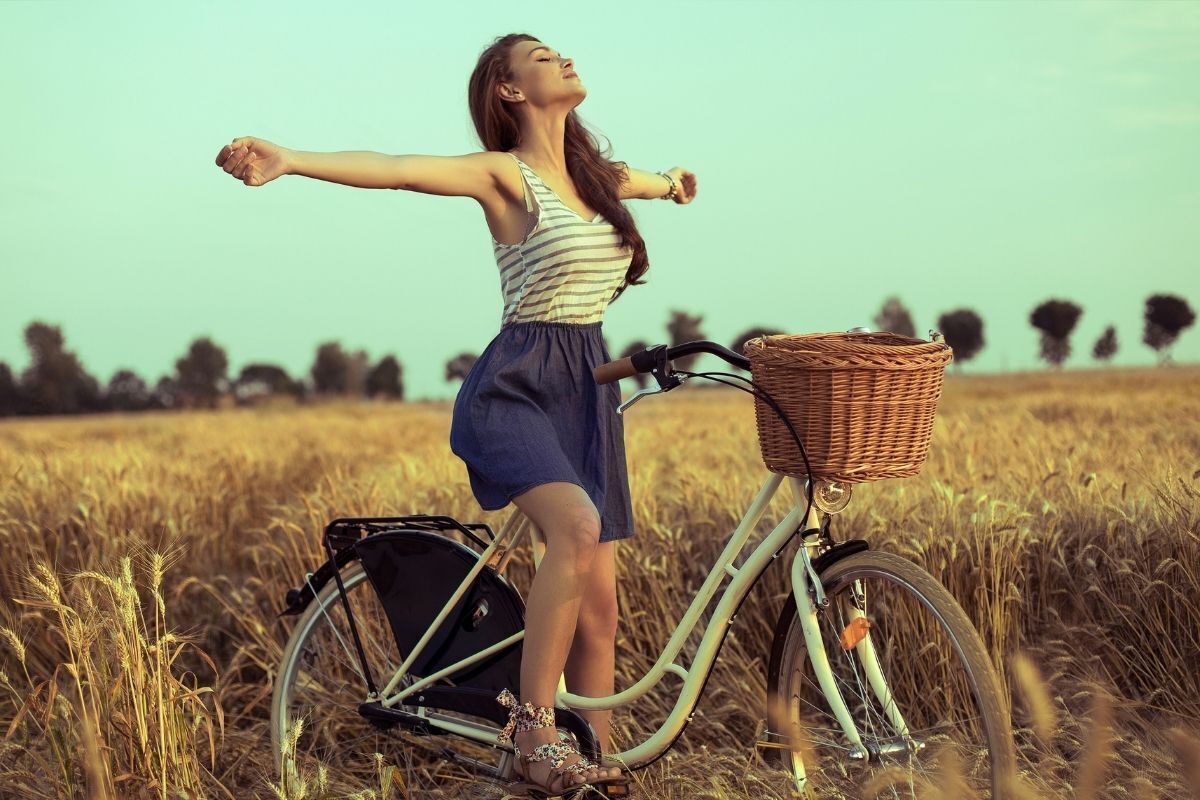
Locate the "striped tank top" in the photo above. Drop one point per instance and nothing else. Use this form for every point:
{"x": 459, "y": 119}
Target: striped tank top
{"x": 566, "y": 269}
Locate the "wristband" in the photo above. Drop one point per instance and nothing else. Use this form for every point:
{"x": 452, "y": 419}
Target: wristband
{"x": 671, "y": 195}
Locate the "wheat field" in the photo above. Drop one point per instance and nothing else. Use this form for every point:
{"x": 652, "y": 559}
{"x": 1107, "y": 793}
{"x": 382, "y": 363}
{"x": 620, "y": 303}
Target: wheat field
{"x": 147, "y": 556}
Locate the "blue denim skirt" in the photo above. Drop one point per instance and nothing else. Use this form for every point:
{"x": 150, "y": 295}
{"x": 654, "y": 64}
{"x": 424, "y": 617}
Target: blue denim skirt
{"x": 530, "y": 412}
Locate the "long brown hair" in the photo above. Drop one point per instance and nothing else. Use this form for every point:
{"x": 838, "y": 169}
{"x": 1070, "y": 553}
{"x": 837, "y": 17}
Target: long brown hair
{"x": 596, "y": 177}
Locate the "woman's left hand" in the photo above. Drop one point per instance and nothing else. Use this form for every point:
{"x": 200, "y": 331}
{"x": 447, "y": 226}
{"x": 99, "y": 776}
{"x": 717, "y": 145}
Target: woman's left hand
{"x": 686, "y": 181}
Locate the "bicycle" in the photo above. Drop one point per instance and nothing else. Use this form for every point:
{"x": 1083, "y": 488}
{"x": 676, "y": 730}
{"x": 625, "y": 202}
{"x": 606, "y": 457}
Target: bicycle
{"x": 846, "y": 686}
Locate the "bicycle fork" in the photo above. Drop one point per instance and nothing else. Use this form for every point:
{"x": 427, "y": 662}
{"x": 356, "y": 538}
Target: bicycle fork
{"x": 810, "y": 601}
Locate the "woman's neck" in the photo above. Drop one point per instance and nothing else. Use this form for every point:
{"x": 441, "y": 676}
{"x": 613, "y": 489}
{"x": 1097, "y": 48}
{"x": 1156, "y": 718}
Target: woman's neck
{"x": 543, "y": 145}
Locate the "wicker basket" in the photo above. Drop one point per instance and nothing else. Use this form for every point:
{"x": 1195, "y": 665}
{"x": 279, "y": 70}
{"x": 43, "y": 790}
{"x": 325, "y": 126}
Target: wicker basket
{"x": 862, "y": 403}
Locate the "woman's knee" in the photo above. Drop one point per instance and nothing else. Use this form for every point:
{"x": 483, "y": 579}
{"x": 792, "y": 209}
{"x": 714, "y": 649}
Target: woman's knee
{"x": 566, "y": 516}
{"x": 578, "y": 533}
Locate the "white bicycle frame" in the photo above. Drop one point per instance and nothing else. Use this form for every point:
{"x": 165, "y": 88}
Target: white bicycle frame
{"x": 805, "y": 586}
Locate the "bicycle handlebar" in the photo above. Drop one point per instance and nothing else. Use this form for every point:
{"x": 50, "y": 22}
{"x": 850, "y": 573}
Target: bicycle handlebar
{"x": 645, "y": 360}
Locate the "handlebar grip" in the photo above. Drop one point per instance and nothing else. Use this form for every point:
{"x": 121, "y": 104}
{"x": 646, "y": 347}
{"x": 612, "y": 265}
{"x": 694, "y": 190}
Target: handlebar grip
{"x": 611, "y": 371}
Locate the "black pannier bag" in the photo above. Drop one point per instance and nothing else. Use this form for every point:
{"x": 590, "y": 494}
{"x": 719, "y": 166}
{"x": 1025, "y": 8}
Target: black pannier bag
{"x": 414, "y": 573}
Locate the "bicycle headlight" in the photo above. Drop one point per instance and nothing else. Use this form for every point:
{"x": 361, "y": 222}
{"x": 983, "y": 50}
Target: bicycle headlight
{"x": 831, "y": 496}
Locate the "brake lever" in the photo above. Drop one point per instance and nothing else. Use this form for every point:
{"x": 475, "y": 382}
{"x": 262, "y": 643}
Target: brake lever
{"x": 667, "y": 379}
{"x": 643, "y": 392}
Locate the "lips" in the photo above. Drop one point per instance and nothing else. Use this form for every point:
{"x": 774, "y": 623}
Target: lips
{"x": 569, "y": 74}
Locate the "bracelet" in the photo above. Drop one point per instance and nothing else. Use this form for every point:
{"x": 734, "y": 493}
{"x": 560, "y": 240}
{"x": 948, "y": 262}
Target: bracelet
{"x": 671, "y": 195}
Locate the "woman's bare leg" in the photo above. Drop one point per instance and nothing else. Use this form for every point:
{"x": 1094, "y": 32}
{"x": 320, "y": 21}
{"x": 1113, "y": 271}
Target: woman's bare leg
{"x": 568, "y": 519}
{"x": 590, "y": 668}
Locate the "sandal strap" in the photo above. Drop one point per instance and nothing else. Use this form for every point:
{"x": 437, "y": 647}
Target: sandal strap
{"x": 559, "y": 776}
{"x": 579, "y": 767}
{"x": 558, "y": 752}
{"x": 522, "y": 717}
{"x": 561, "y": 773}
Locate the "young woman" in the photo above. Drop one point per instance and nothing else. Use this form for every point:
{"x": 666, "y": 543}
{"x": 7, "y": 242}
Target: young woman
{"x": 529, "y": 422}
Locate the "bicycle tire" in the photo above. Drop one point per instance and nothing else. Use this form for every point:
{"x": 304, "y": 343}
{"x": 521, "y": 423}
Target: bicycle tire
{"x": 350, "y": 759}
{"x": 897, "y": 591}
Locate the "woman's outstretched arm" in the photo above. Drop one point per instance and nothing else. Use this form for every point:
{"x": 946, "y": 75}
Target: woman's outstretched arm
{"x": 365, "y": 169}
{"x": 257, "y": 161}
{"x": 642, "y": 185}
{"x": 470, "y": 175}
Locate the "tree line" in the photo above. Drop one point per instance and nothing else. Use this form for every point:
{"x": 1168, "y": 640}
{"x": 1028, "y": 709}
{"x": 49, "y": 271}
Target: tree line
{"x": 1164, "y": 317}
{"x": 55, "y": 382}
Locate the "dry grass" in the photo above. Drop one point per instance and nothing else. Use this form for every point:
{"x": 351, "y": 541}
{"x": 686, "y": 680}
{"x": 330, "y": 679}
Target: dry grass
{"x": 1060, "y": 509}
{"x": 117, "y": 708}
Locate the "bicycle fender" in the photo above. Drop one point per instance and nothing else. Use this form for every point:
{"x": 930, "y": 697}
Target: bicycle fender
{"x": 298, "y": 598}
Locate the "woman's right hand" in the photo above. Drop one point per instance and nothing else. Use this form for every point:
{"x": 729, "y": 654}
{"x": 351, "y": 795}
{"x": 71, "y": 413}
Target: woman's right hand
{"x": 253, "y": 161}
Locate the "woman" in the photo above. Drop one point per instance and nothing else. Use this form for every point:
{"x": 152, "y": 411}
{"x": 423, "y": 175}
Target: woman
{"x": 529, "y": 422}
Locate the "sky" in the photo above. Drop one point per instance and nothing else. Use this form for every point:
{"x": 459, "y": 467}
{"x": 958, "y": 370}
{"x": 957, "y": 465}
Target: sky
{"x": 987, "y": 155}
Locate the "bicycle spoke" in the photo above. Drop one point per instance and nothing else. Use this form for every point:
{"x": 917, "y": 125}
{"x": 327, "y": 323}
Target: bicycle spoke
{"x": 326, "y": 683}
{"x": 916, "y": 677}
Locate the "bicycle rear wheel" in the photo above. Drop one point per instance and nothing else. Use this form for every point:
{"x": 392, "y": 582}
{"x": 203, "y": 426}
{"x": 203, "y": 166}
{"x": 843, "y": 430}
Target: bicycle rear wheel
{"x": 937, "y": 716}
{"x": 320, "y": 681}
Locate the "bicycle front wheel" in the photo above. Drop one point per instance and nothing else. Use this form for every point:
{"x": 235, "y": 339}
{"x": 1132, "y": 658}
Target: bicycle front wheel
{"x": 320, "y": 681}
{"x": 916, "y": 680}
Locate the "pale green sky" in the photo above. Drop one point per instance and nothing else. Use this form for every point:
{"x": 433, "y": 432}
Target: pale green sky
{"x": 981, "y": 154}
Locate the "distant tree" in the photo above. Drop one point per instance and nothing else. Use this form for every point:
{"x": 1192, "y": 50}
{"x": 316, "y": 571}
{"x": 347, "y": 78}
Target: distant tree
{"x": 165, "y": 393}
{"x": 1055, "y": 319}
{"x": 963, "y": 331}
{"x": 11, "y": 401}
{"x": 260, "y": 380}
{"x": 305, "y": 388}
{"x": 127, "y": 392}
{"x": 55, "y": 382}
{"x": 200, "y": 373}
{"x": 1106, "y": 346}
{"x": 460, "y": 366}
{"x": 330, "y": 370}
{"x": 358, "y": 364}
{"x": 297, "y": 388}
{"x": 1165, "y": 316}
{"x": 385, "y": 379}
{"x": 637, "y": 346}
{"x": 894, "y": 318}
{"x": 684, "y": 327}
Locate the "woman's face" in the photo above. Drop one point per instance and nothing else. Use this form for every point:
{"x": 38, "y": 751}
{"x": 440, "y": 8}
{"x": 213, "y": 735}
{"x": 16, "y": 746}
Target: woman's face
{"x": 543, "y": 76}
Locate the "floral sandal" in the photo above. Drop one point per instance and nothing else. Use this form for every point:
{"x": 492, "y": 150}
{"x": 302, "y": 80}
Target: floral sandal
{"x": 618, "y": 786}
{"x": 605, "y": 763}
{"x": 523, "y": 717}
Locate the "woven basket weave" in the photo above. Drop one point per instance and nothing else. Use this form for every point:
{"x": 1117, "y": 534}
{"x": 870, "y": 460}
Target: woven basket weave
{"x": 862, "y": 403}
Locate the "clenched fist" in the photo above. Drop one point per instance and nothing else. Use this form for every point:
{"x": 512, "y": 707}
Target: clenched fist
{"x": 253, "y": 161}
{"x": 685, "y": 180}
